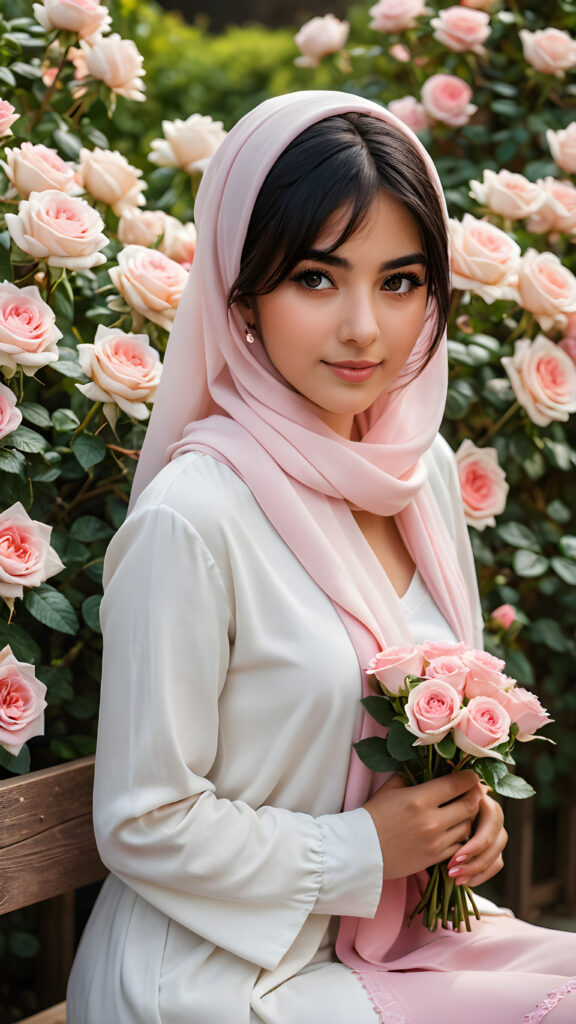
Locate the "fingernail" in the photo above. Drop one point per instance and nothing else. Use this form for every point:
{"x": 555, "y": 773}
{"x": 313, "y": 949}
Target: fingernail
{"x": 454, "y": 871}
{"x": 460, "y": 858}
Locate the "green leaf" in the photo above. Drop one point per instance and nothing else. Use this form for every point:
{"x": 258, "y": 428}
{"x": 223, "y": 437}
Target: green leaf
{"x": 27, "y": 70}
{"x": 35, "y": 414}
{"x": 68, "y": 364}
{"x": 446, "y": 747}
{"x": 26, "y": 440}
{"x": 400, "y": 742}
{"x": 64, "y": 420}
{"x": 91, "y": 612}
{"x": 549, "y": 633}
{"x": 459, "y": 399}
{"x": 372, "y": 752}
{"x": 559, "y": 454}
{"x": 565, "y": 568}
{"x": 58, "y": 682}
{"x": 89, "y": 528}
{"x": 380, "y": 709}
{"x": 7, "y": 76}
{"x": 68, "y": 549}
{"x": 490, "y": 770}
{"x": 23, "y": 646}
{"x": 518, "y": 535}
{"x": 567, "y": 546}
{"x": 95, "y": 570}
{"x": 23, "y": 944}
{"x": 468, "y": 355}
{"x": 528, "y": 564}
{"x": 518, "y": 666}
{"x": 17, "y": 763}
{"x": 89, "y": 449}
{"x": 559, "y": 512}
{"x": 51, "y": 608}
{"x": 514, "y": 787}
{"x": 12, "y": 462}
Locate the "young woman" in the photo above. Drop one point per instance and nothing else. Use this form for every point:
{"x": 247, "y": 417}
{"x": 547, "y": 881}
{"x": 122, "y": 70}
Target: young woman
{"x": 296, "y": 511}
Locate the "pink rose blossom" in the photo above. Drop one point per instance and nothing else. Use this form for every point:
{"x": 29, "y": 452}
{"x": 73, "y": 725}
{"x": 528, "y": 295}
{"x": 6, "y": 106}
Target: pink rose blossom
{"x": 61, "y": 229}
{"x": 526, "y": 711}
{"x": 21, "y": 702}
{"x": 392, "y": 665}
{"x": 568, "y": 345}
{"x": 86, "y": 17}
{"x": 150, "y": 282}
{"x": 504, "y": 615}
{"x": 433, "y": 709}
{"x": 431, "y": 649}
{"x": 486, "y": 677}
{"x": 484, "y": 725}
{"x": 558, "y": 211}
{"x": 410, "y": 112}
{"x": 549, "y": 50}
{"x": 26, "y": 558}
{"x": 145, "y": 227}
{"x": 508, "y": 194}
{"x": 109, "y": 178}
{"x": 7, "y": 117}
{"x": 396, "y": 15}
{"x": 188, "y": 144}
{"x": 118, "y": 63}
{"x": 447, "y": 98}
{"x": 10, "y": 415}
{"x": 461, "y": 29}
{"x": 449, "y": 669}
{"x": 563, "y": 147}
{"x": 35, "y": 168}
{"x": 400, "y": 53}
{"x": 124, "y": 368}
{"x": 543, "y": 378}
{"x": 546, "y": 288}
{"x": 319, "y": 37}
{"x": 482, "y": 484}
{"x": 28, "y": 332}
{"x": 484, "y": 259}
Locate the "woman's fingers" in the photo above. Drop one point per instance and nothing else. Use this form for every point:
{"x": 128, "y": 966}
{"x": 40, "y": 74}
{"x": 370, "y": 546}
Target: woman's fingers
{"x": 481, "y": 857}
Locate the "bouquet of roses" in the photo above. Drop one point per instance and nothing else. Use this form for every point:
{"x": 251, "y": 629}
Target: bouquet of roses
{"x": 447, "y": 707}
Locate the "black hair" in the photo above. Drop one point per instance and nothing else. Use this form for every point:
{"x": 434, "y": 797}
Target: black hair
{"x": 342, "y": 160}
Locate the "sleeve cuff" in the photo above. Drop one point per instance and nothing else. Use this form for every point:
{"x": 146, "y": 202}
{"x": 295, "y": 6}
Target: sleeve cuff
{"x": 352, "y": 879}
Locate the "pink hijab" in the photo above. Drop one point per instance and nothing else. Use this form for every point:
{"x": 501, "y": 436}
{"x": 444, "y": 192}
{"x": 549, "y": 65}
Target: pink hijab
{"x": 220, "y": 396}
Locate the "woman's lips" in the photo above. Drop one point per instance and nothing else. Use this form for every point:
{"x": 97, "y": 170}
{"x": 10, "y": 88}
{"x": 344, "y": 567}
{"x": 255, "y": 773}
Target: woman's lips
{"x": 354, "y": 371}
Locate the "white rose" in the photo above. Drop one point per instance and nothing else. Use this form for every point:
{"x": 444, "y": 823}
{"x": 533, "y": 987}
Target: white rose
{"x": 558, "y": 212}
{"x": 549, "y": 50}
{"x": 543, "y": 377}
{"x": 484, "y": 259}
{"x": 124, "y": 368}
{"x": 150, "y": 282}
{"x": 508, "y": 194}
{"x": 563, "y": 147}
{"x": 35, "y": 168}
{"x": 118, "y": 63}
{"x": 65, "y": 231}
{"x": 145, "y": 227}
{"x": 28, "y": 332}
{"x": 86, "y": 17}
{"x": 188, "y": 144}
{"x": 108, "y": 177}
{"x": 546, "y": 288}
{"x": 319, "y": 37}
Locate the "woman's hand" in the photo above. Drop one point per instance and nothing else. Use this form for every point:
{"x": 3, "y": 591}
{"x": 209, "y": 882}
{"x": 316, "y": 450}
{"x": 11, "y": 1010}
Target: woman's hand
{"x": 481, "y": 857}
{"x": 419, "y": 826}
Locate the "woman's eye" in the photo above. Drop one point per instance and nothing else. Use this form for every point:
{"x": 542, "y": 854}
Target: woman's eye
{"x": 315, "y": 280}
{"x": 401, "y": 284}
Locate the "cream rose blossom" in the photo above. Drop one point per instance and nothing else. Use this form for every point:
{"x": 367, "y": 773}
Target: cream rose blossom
{"x": 508, "y": 194}
{"x": 7, "y": 117}
{"x": 408, "y": 110}
{"x": 118, "y": 63}
{"x": 22, "y": 702}
{"x": 145, "y": 227}
{"x": 447, "y": 98}
{"x": 63, "y": 230}
{"x": 318, "y": 38}
{"x": 482, "y": 484}
{"x": 396, "y": 15}
{"x": 10, "y": 415}
{"x": 86, "y": 17}
{"x": 558, "y": 211}
{"x": 35, "y": 168}
{"x": 483, "y": 725}
{"x": 546, "y": 288}
{"x": 150, "y": 282}
{"x": 433, "y": 709}
{"x": 124, "y": 368}
{"x": 461, "y": 29}
{"x": 563, "y": 147}
{"x": 28, "y": 332}
{"x": 26, "y": 558}
{"x": 549, "y": 50}
{"x": 484, "y": 258}
{"x": 543, "y": 378}
{"x": 108, "y": 177}
{"x": 188, "y": 144}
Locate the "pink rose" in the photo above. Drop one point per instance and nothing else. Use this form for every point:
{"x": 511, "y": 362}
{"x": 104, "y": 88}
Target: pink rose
{"x": 118, "y": 63}
{"x": 508, "y": 194}
{"x": 10, "y": 415}
{"x": 526, "y": 711}
{"x": 396, "y": 15}
{"x": 558, "y": 212}
{"x": 484, "y": 259}
{"x": 7, "y": 117}
{"x": 61, "y": 229}
{"x": 482, "y": 484}
{"x": 392, "y": 665}
{"x": 410, "y": 112}
{"x": 546, "y": 288}
{"x": 124, "y": 368}
{"x": 486, "y": 677}
{"x": 36, "y": 168}
{"x": 461, "y": 29}
{"x": 504, "y": 615}
{"x": 549, "y": 50}
{"x": 21, "y": 702}
{"x": 447, "y": 98}
{"x": 543, "y": 378}
{"x": 563, "y": 147}
{"x": 150, "y": 282}
{"x": 449, "y": 669}
{"x": 86, "y": 17}
{"x": 433, "y": 709}
{"x": 431, "y": 649}
{"x": 26, "y": 558}
{"x": 484, "y": 724}
{"x": 108, "y": 177}
{"x": 188, "y": 144}
{"x": 145, "y": 227}
{"x": 319, "y": 37}
{"x": 400, "y": 53}
{"x": 28, "y": 332}
{"x": 568, "y": 345}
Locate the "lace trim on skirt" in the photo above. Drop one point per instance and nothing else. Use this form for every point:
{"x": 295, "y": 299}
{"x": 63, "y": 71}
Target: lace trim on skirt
{"x": 551, "y": 1000}
{"x": 388, "y": 1010}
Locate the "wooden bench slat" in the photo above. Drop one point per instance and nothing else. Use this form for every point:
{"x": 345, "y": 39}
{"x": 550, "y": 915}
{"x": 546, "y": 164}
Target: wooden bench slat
{"x": 55, "y": 1015}
{"x": 37, "y": 802}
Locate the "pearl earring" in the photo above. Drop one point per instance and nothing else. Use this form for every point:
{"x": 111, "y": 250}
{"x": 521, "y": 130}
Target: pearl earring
{"x": 248, "y": 335}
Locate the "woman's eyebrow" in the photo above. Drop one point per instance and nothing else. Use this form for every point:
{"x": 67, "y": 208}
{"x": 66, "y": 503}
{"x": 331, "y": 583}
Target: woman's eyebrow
{"x": 338, "y": 261}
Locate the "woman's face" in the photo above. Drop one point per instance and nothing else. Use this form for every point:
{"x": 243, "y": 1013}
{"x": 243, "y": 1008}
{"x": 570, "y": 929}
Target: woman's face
{"x": 342, "y": 325}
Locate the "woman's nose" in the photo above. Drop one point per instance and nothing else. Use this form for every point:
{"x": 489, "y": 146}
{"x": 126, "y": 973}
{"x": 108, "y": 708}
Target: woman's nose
{"x": 359, "y": 323}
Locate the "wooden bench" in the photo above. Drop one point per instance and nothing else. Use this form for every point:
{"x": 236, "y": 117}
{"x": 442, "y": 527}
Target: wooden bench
{"x": 47, "y": 850}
